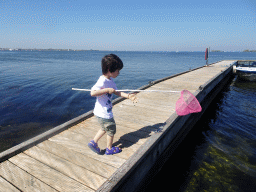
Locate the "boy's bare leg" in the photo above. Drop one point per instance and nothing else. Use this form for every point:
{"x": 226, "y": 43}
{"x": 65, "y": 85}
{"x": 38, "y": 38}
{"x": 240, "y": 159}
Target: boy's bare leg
{"x": 110, "y": 140}
{"x": 99, "y": 134}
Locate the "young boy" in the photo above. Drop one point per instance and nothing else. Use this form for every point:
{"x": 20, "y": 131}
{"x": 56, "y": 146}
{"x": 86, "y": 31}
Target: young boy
{"x": 103, "y": 90}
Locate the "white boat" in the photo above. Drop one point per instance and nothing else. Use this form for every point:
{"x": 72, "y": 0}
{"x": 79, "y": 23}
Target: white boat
{"x": 246, "y": 70}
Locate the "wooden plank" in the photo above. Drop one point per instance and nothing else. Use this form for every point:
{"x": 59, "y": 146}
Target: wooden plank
{"x": 154, "y": 99}
{"x": 130, "y": 123}
{"x": 155, "y": 96}
{"x": 158, "y": 113}
{"x": 157, "y": 102}
{"x": 79, "y": 159}
{"x": 6, "y": 186}
{"x": 199, "y": 75}
{"x": 87, "y": 134}
{"x": 145, "y": 106}
{"x": 48, "y": 175}
{"x": 141, "y": 120}
{"x": 176, "y": 85}
{"x": 73, "y": 171}
{"x": 202, "y": 74}
{"x": 84, "y": 140}
{"x": 146, "y": 117}
{"x": 163, "y": 97}
{"x": 136, "y": 121}
{"x": 129, "y": 120}
{"x": 146, "y": 128}
{"x": 78, "y": 147}
{"x": 21, "y": 179}
{"x": 126, "y": 133}
{"x": 189, "y": 79}
{"x": 183, "y": 83}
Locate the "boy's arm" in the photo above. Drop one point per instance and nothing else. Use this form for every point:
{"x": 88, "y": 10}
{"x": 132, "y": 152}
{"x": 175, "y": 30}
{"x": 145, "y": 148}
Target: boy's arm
{"x": 132, "y": 97}
{"x": 100, "y": 92}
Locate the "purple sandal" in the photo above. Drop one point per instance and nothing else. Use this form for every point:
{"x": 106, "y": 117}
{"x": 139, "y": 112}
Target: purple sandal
{"x": 113, "y": 150}
{"x": 94, "y": 147}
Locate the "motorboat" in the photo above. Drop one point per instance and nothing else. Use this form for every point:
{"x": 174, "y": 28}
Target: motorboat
{"x": 246, "y": 70}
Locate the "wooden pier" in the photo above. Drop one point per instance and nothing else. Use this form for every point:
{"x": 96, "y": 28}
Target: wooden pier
{"x": 60, "y": 160}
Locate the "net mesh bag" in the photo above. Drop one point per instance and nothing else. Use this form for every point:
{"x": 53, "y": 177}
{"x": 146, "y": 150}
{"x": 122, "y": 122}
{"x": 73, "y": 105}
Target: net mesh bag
{"x": 187, "y": 103}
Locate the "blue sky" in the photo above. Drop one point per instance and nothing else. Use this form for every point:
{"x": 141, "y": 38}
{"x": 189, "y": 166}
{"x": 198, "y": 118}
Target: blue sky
{"x": 182, "y": 25}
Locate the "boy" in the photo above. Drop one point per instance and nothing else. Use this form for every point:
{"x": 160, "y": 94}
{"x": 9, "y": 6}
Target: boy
{"x": 103, "y": 90}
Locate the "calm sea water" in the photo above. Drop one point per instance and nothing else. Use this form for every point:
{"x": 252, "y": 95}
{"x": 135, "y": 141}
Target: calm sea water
{"x": 36, "y": 95}
{"x": 219, "y": 153}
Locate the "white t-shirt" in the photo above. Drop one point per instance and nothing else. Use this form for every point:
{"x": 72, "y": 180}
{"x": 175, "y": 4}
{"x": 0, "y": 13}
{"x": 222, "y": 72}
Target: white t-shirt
{"x": 103, "y": 105}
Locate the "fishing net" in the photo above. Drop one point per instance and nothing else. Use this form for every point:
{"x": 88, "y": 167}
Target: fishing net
{"x": 187, "y": 103}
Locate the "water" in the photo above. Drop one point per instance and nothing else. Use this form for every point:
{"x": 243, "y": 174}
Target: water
{"x": 36, "y": 95}
{"x": 219, "y": 154}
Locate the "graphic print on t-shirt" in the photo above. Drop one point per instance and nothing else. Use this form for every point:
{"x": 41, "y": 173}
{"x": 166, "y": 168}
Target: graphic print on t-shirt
{"x": 109, "y": 103}
{"x": 103, "y": 105}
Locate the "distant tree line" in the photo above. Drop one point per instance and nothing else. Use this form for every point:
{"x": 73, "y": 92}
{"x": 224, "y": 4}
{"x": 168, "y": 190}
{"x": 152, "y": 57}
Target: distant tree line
{"x": 247, "y": 50}
{"x": 50, "y": 49}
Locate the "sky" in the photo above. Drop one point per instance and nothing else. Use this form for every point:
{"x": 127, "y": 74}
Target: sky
{"x": 182, "y": 25}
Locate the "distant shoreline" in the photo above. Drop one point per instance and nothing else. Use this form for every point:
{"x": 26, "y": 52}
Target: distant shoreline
{"x": 9, "y": 49}
{"x": 50, "y": 49}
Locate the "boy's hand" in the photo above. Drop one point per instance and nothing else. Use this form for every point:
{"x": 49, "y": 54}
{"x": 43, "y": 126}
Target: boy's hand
{"x": 111, "y": 90}
{"x": 133, "y": 98}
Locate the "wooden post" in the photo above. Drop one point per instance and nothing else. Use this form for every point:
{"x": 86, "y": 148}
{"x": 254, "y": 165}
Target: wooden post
{"x": 206, "y": 56}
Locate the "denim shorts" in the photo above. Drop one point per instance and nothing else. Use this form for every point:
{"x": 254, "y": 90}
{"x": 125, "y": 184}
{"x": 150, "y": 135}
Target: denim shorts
{"x": 107, "y": 125}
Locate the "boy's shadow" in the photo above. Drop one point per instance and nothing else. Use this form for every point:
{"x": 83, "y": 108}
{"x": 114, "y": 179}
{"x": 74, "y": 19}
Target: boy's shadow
{"x": 131, "y": 138}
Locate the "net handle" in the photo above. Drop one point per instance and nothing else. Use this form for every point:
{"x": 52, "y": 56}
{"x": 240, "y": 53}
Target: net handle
{"x": 132, "y": 90}
{"x": 180, "y": 109}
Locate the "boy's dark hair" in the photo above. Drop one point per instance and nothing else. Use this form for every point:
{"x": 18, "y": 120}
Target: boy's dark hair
{"x": 111, "y": 63}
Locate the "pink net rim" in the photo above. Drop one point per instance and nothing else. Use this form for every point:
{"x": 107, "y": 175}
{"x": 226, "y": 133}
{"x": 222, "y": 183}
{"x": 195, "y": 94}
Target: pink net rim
{"x": 187, "y": 103}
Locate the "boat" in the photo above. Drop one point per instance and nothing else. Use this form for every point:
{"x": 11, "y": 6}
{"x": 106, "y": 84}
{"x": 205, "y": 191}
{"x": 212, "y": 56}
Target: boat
{"x": 246, "y": 70}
